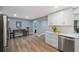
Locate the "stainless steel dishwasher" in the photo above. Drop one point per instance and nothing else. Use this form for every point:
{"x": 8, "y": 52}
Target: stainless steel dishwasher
{"x": 65, "y": 43}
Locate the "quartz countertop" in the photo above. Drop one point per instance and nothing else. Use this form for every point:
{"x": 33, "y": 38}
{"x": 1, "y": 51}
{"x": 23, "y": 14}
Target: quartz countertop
{"x": 74, "y": 35}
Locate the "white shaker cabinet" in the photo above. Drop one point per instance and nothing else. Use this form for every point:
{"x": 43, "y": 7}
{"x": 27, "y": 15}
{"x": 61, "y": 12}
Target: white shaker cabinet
{"x": 76, "y": 45}
{"x": 63, "y": 17}
{"x": 51, "y": 39}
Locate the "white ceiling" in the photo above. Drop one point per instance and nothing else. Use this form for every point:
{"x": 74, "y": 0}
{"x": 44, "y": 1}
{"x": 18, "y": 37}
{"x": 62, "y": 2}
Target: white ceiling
{"x": 29, "y": 12}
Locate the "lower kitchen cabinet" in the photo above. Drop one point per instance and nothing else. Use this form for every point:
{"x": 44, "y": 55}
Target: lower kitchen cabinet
{"x": 51, "y": 39}
{"x": 69, "y": 44}
{"x": 76, "y": 45}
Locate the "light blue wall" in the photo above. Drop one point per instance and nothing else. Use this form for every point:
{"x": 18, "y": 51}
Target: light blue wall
{"x": 25, "y": 23}
{"x": 42, "y": 25}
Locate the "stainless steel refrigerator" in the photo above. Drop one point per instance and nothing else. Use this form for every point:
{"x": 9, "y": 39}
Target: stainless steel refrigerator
{"x": 3, "y": 32}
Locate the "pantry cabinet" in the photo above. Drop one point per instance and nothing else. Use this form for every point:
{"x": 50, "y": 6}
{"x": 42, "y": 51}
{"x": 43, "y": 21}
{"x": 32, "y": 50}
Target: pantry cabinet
{"x": 63, "y": 17}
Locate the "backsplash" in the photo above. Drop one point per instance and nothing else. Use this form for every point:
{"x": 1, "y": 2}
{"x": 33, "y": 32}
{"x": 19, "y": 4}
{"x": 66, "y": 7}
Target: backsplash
{"x": 66, "y": 29}
{"x": 63, "y": 29}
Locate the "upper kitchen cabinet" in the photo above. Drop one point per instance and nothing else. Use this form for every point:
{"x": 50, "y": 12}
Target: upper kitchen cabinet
{"x": 76, "y": 13}
{"x": 76, "y": 10}
{"x": 62, "y": 17}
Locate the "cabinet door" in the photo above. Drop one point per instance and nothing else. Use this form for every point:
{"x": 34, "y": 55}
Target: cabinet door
{"x": 64, "y": 17}
{"x": 52, "y": 40}
{"x": 48, "y": 38}
{"x": 76, "y": 45}
{"x": 55, "y": 19}
{"x": 50, "y": 18}
{"x": 68, "y": 17}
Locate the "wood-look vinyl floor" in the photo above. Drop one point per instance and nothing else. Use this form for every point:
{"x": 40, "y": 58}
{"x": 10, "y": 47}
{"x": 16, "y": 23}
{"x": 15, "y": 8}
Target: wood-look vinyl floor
{"x": 29, "y": 44}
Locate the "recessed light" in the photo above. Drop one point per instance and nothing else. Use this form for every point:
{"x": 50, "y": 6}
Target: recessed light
{"x": 8, "y": 19}
{"x": 14, "y": 14}
{"x": 0, "y": 12}
{"x": 27, "y": 17}
{"x": 56, "y": 7}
